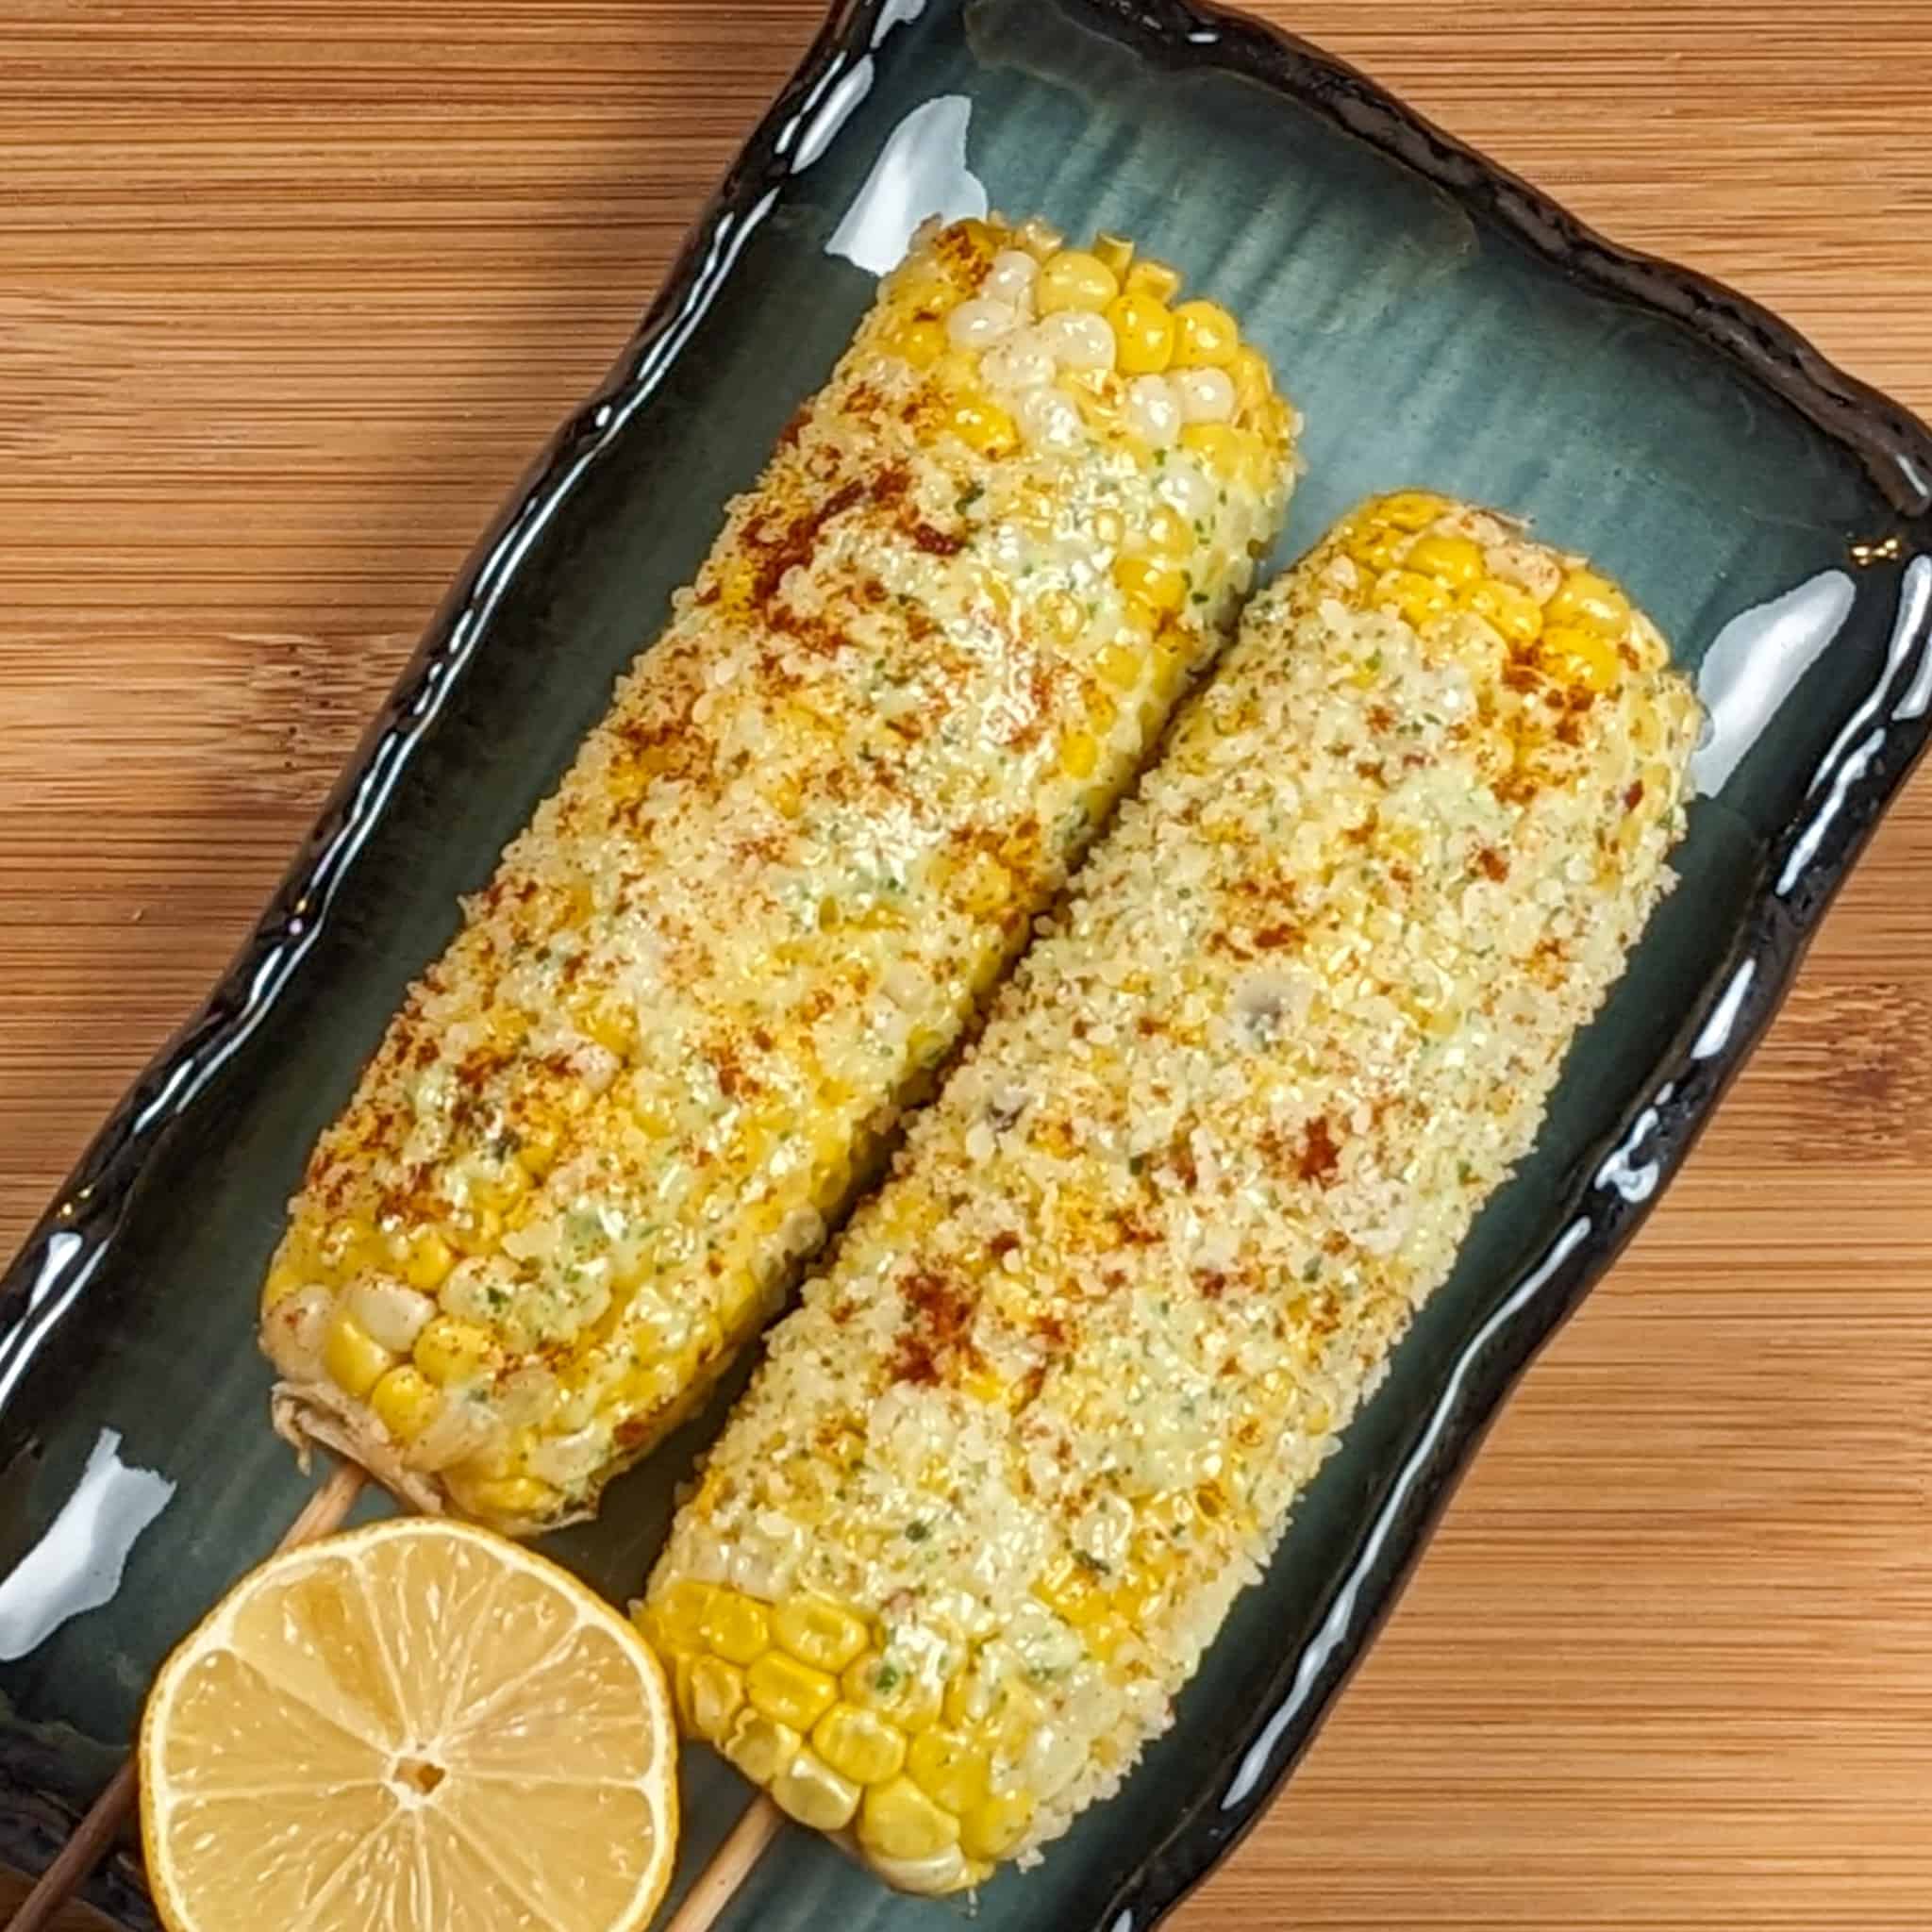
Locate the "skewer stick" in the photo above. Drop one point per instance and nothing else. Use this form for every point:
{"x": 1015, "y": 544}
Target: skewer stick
{"x": 88, "y": 1842}
{"x": 719, "y": 1881}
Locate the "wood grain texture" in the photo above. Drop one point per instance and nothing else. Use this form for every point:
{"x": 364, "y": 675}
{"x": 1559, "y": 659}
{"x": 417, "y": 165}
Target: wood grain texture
{"x": 289, "y": 292}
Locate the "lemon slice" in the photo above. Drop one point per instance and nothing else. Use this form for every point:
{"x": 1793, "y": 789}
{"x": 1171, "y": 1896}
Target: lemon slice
{"x": 416, "y": 1727}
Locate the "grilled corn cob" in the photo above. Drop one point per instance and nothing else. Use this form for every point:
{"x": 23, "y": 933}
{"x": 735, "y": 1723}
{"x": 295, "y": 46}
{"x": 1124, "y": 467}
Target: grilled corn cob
{"x": 919, "y": 664}
{"x": 1047, "y": 1413}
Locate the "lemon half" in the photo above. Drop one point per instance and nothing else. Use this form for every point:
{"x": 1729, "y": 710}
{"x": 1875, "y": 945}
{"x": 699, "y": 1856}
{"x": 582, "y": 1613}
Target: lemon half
{"x": 419, "y": 1726}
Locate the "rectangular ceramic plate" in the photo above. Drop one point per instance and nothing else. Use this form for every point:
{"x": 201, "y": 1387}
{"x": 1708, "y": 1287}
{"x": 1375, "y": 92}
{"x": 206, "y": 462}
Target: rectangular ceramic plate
{"x": 1441, "y": 325}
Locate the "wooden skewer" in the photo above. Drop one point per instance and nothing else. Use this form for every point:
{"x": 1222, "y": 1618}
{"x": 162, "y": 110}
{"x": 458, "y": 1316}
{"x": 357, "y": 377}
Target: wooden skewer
{"x": 88, "y": 1842}
{"x": 718, "y": 1883}
{"x": 325, "y": 1510}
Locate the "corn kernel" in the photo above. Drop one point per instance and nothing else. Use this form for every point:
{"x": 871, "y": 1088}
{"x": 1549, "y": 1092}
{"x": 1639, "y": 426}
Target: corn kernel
{"x": 921, "y": 343}
{"x": 354, "y": 1358}
{"x": 950, "y": 1770}
{"x": 1143, "y": 331}
{"x": 1108, "y": 526}
{"x": 716, "y": 1694}
{"x": 1079, "y": 754}
{"x": 1254, "y": 381}
{"x": 903, "y": 1698}
{"x": 788, "y": 1691}
{"x": 452, "y": 1351}
{"x": 1585, "y": 601}
{"x": 430, "y": 1259}
{"x": 1222, "y": 447}
{"x": 406, "y": 1402}
{"x": 984, "y": 426}
{"x": 502, "y": 1498}
{"x": 284, "y": 1279}
{"x": 993, "y": 1827}
{"x": 1513, "y": 612}
{"x": 898, "y": 1821}
{"x": 858, "y": 1745}
{"x": 1408, "y": 509}
{"x": 1159, "y": 584}
{"x": 1581, "y": 656}
{"x": 1205, "y": 336}
{"x": 1453, "y": 560}
{"x": 812, "y": 1791}
{"x": 819, "y": 1632}
{"x": 736, "y": 1628}
{"x": 1120, "y": 665}
{"x": 1067, "y": 1590}
{"x": 1154, "y": 279}
{"x": 1115, "y": 253}
{"x": 1064, "y": 614}
{"x": 1169, "y": 533}
{"x": 760, "y": 1748}
{"x": 680, "y": 1609}
{"x": 1417, "y": 600}
{"x": 1075, "y": 279}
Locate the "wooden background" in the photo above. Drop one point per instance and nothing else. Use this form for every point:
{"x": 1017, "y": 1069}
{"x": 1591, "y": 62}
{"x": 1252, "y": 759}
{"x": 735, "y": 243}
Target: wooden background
{"x": 289, "y": 291}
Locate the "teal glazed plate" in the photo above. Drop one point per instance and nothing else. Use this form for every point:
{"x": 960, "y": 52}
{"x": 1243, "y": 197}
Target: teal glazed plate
{"x": 1441, "y": 325}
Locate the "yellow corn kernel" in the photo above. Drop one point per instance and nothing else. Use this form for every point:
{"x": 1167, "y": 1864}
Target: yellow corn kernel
{"x": 1417, "y": 600}
{"x": 1170, "y": 534}
{"x": 1205, "y": 336}
{"x": 1039, "y": 238}
{"x": 679, "y": 1612}
{"x": 1581, "y": 656}
{"x": 984, "y": 426}
{"x": 449, "y": 1350}
{"x": 1079, "y": 754}
{"x": 1067, "y": 1590}
{"x": 284, "y": 1278}
{"x": 612, "y": 1023}
{"x": 1222, "y": 447}
{"x": 502, "y": 1498}
{"x": 1115, "y": 253}
{"x": 1143, "y": 331}
{"x": 921, "y": 343}
{"x": 788, "y": 1691}
{"x": 1120, "y": 665}
{"x": 818, "y": 1632}
{"x": 736, "y": 1628}
{"x": 1103, "y": 1636}
{"x": 1254, "y": 381}
{"x": 1064, "y": 616}
{"x": 1453, "y": 560}
{"x": 715, "y": 1696}
{"x": 1075, "y": 279}
{"x": 1159, "y": 584}
{"x": 902, "y": 1697}
{"x": 1154, "y": 279}
{"x": 812, "y": 1791}
{"x": 1585, "y": 601}
{"x": 1408, "y": 509}
{"x": 406, "y": 1402}
{"x": 354, "y": 1358}
{"x": 477, "y": 1229}
{"x": 1377, "y": 548}
{"x": 858, "y": 1745}
{"x": 949, "y": 1769}
{"x": 994, "y": 1826}
{"x": 898, "y": 1821}
{"x": 1108, "y": 526}
{"x": 1513, "y": 612}
{"x": 430, "y": 1259}
{"x": 760, "y": 1748}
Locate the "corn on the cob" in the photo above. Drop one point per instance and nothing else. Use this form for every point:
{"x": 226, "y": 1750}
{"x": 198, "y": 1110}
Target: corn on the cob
{"x": 919, "y": 664}
{"x": 1047, "y": 1413}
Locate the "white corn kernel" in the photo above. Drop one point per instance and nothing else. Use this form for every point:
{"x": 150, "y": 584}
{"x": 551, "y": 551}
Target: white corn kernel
{"x": 979, "y": 324}
{"x": 1151, "y": 411}
{"x": 1206, "y": 395}
{"x": 1076, "y": 339}
{"x": 392, "y": 1314}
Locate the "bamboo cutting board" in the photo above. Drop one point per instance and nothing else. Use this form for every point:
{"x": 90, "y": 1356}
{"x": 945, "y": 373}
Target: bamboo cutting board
{"x": 289, "y": 291}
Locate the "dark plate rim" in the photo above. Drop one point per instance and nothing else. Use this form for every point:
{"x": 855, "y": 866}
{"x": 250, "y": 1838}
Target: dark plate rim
{"x": 1612, "y": 1194}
